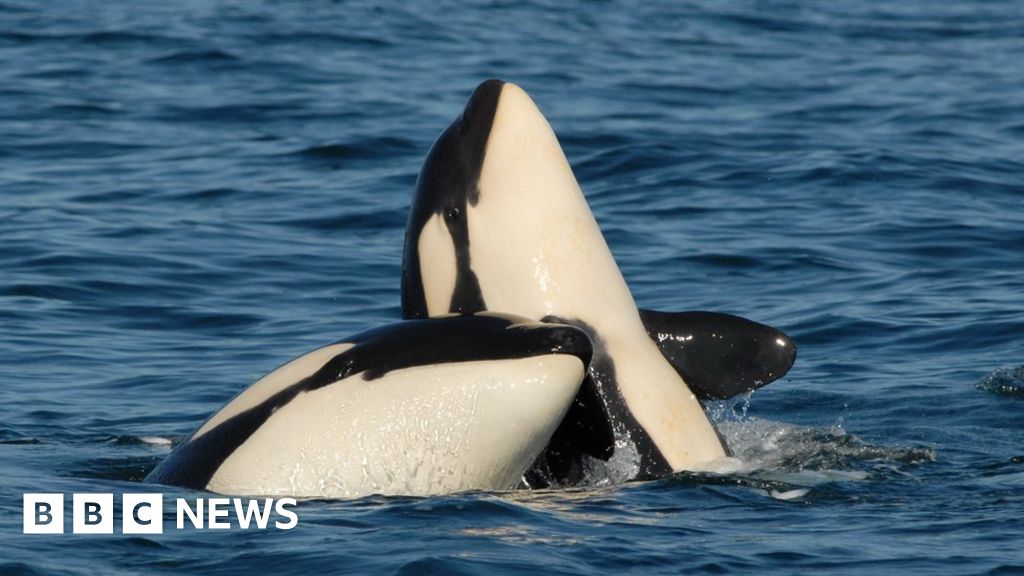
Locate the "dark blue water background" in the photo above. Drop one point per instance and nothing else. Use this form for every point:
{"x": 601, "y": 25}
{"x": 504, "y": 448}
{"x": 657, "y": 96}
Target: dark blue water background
{"x": 193, "y": 192}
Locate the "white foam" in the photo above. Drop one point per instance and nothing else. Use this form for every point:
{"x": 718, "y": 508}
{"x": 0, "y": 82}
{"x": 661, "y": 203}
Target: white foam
{"x": 155, "y": 440}
{"x": 789, "y": 494}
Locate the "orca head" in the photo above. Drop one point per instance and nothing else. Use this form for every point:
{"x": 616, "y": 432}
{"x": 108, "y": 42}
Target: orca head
{"x": 436, "y": 273}
{"x": 498, "y": 216}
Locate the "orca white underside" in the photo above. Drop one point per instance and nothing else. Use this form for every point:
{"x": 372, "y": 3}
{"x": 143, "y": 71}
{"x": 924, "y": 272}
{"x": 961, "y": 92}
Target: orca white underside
{"x": 417, "y": 431}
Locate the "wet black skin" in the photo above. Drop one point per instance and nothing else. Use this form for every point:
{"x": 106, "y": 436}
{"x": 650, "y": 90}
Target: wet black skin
{"x": 718, "y": 354}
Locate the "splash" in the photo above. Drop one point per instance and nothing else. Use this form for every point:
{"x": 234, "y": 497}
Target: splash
{"x": 793, "y": 463}
{"x": 623, "y": 466}
{"x": 812, "y": 454}
{"x": 786, "y": 461}
{"x": 1005, "y": 382}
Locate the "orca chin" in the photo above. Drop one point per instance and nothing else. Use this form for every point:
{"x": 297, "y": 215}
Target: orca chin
{"x": 499, "y": 223}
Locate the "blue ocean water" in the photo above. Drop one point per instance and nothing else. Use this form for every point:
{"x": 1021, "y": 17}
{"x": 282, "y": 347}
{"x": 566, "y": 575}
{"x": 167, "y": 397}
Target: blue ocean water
{"x": 193, "y": 192}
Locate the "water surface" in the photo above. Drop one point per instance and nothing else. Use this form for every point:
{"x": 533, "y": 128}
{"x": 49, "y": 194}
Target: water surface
{"x": 192, "y": 193}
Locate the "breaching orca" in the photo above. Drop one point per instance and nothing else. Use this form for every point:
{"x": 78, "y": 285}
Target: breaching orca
{"x": 499, "y": 223}
{"x": 419, "y": 407}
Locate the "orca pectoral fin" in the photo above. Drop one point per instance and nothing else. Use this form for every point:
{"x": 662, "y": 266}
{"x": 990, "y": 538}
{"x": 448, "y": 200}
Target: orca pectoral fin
{"x": 587, "y": 425}
{"x": 585, "y": 430}
{"x": 720, "y": 355}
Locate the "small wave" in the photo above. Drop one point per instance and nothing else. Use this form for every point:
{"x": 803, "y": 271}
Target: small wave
{"x": 159, "y": 441}
{"x": 722, "y": 260}
{"x": 85, "y": 109}
{"x": 210, "y": 194}
{"x": 1005, "y": 382}
{"x": 194, "y": 56}
{"x": 148, "y": 317}
{"x": 794, "y": 494}
{"x": 129, "y": 469}
{"x": 105, "y": 37}
{"x": 309, "y": 37}
{"x": 11, "y": 437}
{"x": 346, "y": 220}
{"x": 242, "y": 112}
{"x": 7, "y": 7}
{"x": 80, "y": 149}
{"x": 360, "y": 149}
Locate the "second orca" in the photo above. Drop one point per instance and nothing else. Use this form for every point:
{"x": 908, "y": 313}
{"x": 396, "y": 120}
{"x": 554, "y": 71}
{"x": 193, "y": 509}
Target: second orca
{"x": 499, "y": 223}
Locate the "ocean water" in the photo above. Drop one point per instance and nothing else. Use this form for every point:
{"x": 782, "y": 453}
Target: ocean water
{"x": 193, "y": 192}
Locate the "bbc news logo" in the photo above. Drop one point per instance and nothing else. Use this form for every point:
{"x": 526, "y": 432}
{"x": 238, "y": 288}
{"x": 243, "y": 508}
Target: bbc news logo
{"x": 144, "y": 513}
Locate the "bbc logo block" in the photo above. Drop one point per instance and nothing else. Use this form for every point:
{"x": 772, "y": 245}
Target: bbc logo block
{"x": 44, "y": 514}
{"x": 142, "y": 514}
{"x": 93, "y": 514}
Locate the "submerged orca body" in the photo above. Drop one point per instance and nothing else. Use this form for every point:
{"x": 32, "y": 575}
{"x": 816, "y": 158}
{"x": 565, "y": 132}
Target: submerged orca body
{"x": 499, "y": 223}
{"x": 420, "y": 407}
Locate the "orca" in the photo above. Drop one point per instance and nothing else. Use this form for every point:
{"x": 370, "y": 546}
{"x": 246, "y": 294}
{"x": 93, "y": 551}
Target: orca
{"x": 419, "y": 407}
{"x": 498, "y": 222}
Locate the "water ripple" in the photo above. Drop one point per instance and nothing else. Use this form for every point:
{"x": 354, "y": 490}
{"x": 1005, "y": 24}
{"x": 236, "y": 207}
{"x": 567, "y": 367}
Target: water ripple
{"x": 192, "y": 193}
